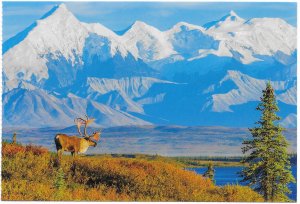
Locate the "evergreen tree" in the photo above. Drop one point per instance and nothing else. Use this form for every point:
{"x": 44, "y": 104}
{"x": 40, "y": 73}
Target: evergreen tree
{"x": 268, "y": 170}
{"x": 14, "y": 140}
{"x": 59, "y": 184}
{"x": 210, "y": 172}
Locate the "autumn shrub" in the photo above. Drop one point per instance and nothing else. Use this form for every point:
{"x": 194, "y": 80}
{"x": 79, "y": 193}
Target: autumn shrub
{"x": 235, "y": 193}
{"x": 11, "y": 149}
{"x": 25, "y": 190}
{"x": 153, "y": 181}
{"x": 28, "y": 174}
{"x": 36, "y": 150}
{"x": 140, "y": 179}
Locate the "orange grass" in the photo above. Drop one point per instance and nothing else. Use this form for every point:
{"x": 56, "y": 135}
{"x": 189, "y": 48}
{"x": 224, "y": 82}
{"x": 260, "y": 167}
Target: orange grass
{"x": 28, "y": 173}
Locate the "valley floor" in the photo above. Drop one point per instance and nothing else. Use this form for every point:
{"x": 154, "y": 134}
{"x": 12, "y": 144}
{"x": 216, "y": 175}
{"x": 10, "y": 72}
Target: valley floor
{"x": 172, "y": 141}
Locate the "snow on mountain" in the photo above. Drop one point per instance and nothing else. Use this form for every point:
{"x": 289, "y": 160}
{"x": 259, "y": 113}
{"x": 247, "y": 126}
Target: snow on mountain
{"x": 59, "y": 38}
{"x": 247, "y": 89}
{"x": 59, "y": 68}
{"x": 231, "y": 36}
{"x": 226, "y": 24}
{"x": 105, "y": 115}
{"x": 36, "y": 108}
{"x": 133, "y": 87}
{"x": 104, "y": 42}
{"x": 248, "y": 41}
{"x": 58, "y": 35}
{"x": 121, "y": 94}
{"x": 187, "y": 39}
{"x": 147, "y": 42}
{"x": 271, "y": 35}
{"x": 15, "y": 83}
{"x": 59, "y": 45}
{"x": 118, "y": 101}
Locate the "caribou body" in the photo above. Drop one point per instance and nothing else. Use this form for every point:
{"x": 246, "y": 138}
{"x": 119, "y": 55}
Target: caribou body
{"x": 76, "y": 144}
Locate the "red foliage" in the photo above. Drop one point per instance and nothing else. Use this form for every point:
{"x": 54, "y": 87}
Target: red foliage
{"x": 9, "y": 149}
{"x": 12, "y": 149}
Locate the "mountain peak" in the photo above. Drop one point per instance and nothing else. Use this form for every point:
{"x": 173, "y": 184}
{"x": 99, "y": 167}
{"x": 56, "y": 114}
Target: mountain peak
{"x": 184, "y": 25}
{"x": 136, "y": 25}
{"x": 232, "y": 13}
{"x": 62, "y": 6}
{"x": 231, "y": 16}
{"x": 227, "y": 21}
{"x": 139, "y": 24}
{"x": 59, "y": 8}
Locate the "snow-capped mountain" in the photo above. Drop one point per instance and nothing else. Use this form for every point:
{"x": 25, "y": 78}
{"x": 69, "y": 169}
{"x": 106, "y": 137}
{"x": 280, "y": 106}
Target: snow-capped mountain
{"x": 57, "y": 35}
{"x": 248, "y": 41}
{"x": 60, "y": 68}
{"x": 58, "y": 46}
{"x": 147, "y": 42}
{"x": 227, "y": 23}
{"x": 188, "y": 39}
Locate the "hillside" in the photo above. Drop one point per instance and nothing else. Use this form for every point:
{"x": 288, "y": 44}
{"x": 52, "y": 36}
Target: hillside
{"x": 28, "y": 173}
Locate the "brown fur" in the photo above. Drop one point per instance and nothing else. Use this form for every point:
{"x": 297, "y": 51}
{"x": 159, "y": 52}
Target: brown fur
{"x": 72, "y": 144}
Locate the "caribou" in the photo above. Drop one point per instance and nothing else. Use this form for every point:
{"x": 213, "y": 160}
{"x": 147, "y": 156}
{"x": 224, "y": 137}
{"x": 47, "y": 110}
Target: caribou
{"x": 75, "y": 144}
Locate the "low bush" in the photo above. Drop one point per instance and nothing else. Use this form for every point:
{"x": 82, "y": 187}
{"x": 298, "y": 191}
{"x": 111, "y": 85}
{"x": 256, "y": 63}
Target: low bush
{"x": 29, "y": 173}
{"x": 142, "y": 180}
{"x": 10, "y": 149}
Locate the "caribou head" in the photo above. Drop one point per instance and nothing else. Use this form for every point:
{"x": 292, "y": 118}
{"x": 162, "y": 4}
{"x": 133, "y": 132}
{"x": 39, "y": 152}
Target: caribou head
{"x": 85, "y": 122}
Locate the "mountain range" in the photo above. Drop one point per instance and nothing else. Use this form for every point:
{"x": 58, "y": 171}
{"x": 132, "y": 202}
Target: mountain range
{"x": 60, "y": 68}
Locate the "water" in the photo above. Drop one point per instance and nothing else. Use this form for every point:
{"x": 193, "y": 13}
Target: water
{"x": 228, "y": 175}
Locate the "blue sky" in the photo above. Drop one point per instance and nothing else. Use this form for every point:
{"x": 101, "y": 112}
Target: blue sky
{"x": 163, "y": 15}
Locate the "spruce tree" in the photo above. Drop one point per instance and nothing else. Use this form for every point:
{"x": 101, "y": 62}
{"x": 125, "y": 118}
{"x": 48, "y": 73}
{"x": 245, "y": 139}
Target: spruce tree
{"x": 14, "y": 140}
{"x": 210, "y": 172}
{"x": 59, "y": 184}
{"x": 268, "y": 170}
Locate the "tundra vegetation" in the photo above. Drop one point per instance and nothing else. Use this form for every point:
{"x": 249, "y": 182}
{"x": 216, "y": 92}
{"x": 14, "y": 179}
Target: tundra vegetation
{"x": 29, "y": 173}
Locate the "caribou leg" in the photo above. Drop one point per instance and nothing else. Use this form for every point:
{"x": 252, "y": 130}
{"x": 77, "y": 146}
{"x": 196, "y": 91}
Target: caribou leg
{"x": 57, "y": 161}
{"x": 73, "y": 154}
{"x": 59, "y": 154}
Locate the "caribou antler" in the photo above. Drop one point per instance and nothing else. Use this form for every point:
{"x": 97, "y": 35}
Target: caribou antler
{"x": 80, "y": 121}
{"x": 96, "y": 135}
{"x": 87, "y": 122}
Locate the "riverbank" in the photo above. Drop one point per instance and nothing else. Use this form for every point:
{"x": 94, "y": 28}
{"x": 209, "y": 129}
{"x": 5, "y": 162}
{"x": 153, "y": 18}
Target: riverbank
{"x": 228, "y": 175}
{"x": 198, "y": 162}
{"x": 190, "y": 162}
{"x": 185, "y": 162}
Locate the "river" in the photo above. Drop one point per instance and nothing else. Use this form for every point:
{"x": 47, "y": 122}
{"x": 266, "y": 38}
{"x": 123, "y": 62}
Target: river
{"x": 228, "y": 175}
